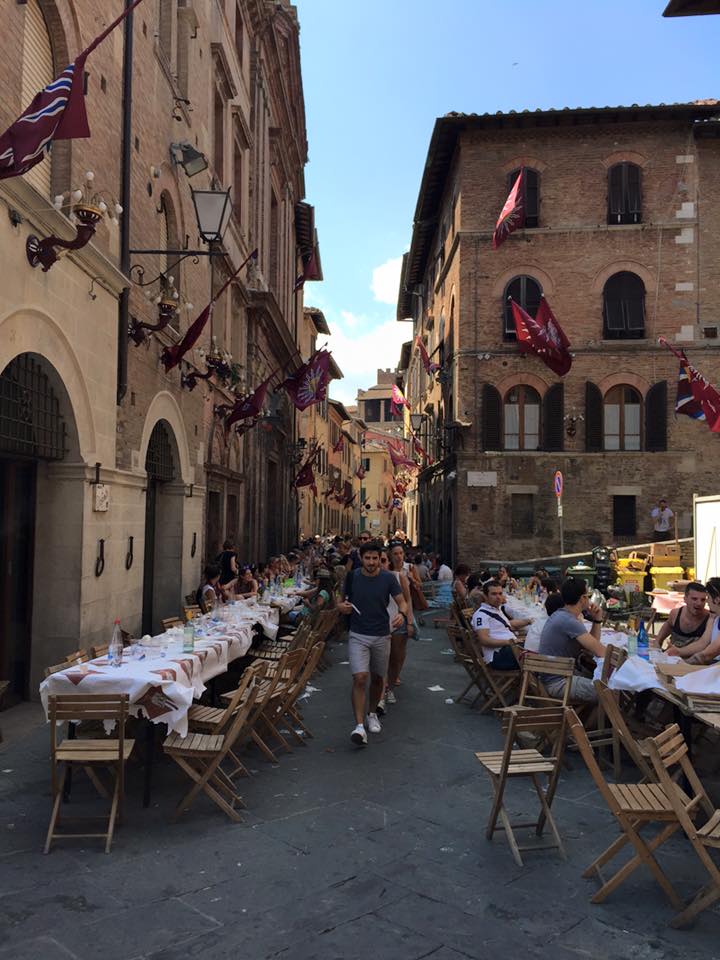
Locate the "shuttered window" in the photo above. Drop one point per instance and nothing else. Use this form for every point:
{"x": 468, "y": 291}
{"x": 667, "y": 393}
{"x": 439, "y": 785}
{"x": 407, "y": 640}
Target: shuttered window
{"x": 553, "y": 418}
{"x": 624, "y": 307}
{"x": 656, "y": 417}
{"x": 593, "y": 418}
{"x": 526, "y": 292}
{"x": 531, "y": 195}
{"x": 491, "y": 418}
{"x": 624, "y": 194}
{"x": 37, "y": 72}
{"x": 521, "y": 421}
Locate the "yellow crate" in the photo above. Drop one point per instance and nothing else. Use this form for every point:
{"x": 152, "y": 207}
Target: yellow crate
{"x": 662, "y": 576}
{"x": 631, "y": 579}
{"x": 632, "y": 564}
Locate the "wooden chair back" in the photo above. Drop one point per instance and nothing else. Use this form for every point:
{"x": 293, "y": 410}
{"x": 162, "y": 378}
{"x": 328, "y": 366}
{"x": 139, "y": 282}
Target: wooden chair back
{"x": 578, "y": 733}
{"x": 325, "y": 624}
{"x": 77, "y": 656}
{"x": 251, "y": 675}
{"x": 614, "y": 658}
{"x": 169, "y": 622}
{"x": 243, "y": 713}
{"x": 193, "y": 610}
{"x": 669, "y": 754}
{"x": 611, "y": 709}
{"x": 547, "y": 722}
{"x": 703, "y": 702}
{"x": 57, "y": 667}
{"x": 99, "y": 651}
{"x": 537, "y": 665}
{"x": 78, "y": 707}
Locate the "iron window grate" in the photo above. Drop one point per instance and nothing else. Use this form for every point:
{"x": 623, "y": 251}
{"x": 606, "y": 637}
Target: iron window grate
{"x": 31, "y": 424}
{"x": 159, "y": 461}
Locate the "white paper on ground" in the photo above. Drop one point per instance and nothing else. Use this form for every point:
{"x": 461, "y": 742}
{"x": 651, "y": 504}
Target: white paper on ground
{"x": 436, "y": 688}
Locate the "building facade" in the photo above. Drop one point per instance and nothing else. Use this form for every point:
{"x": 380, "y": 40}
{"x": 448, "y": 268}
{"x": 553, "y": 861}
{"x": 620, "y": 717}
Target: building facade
{"x": 116, "y": 477}
{"x": 621, "y": 237}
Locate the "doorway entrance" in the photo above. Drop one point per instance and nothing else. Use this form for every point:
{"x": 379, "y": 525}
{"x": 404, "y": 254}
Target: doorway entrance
{"x": 32, "y": 430}
{"x": 162, "y": 569}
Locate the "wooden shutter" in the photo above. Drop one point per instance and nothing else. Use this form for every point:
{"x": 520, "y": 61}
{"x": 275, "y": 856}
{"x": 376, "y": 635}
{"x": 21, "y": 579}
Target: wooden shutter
{"x": 491, "y": 418}
{"x": 656, "y": 417}
{"x": 553, "y": 413}
{"x": 634, "y": 193}
{"x": 532, "y": 197}
{"x": 593, "y": 418}
{"x": 37, "y": 72}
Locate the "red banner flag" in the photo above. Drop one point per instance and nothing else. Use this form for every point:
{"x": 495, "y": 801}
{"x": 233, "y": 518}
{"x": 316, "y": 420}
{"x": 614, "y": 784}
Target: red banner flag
{"x": 397, "y": 401}
{"x": 172, "y": 356}
{"x": 430, "y": 366}
{"x": 704, "y": 394}
{"x": 512, "y": 215}
{"x": 399, "y": 459}
{"x": 305, "y": 476}
{"x": 340, "y": 445}
{"x": 360, "y": 473}
{"x": 250, "y": 406}
{"x": 308, "y": 385}
{"x": 543, "y": 336}
{"x": 56, "y": 113}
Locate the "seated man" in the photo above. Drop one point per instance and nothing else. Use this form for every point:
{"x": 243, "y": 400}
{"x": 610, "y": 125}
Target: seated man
{"x": 706, "y": 648}
{"x": 493, "y": 629}
{"x": 564, "y": 635}
{"x": 686, "y": 624}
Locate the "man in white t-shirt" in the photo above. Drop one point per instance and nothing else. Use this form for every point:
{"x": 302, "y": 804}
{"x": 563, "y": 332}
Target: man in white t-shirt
{"x": 493, "y": 630}
{"x": 661, "y": 516}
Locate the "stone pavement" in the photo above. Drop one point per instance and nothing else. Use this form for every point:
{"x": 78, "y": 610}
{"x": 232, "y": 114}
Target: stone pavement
{"x": 377, "y": 854}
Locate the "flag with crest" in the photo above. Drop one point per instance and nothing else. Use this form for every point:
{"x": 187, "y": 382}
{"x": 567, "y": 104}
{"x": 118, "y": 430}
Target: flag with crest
{"x": 309, "y": 384}
{"x": 543, "y": 336}
{"x": 512, "y": 215}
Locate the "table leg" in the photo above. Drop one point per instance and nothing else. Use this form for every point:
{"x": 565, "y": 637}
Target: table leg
{"x": 149, "y": 760}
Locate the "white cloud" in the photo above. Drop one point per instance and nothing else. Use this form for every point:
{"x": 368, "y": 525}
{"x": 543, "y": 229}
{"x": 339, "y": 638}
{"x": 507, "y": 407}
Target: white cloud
{"x": 360, "y": 349}
{"x": 386, "y": 281}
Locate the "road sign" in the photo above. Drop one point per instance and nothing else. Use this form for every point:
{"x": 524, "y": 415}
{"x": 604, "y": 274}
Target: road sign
{"x": 558, "y": 484}
{"x": 560, "y": 513}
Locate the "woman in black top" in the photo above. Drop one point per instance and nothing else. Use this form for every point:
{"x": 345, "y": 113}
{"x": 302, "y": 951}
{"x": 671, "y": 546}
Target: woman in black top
{"x": 228, "y": 566}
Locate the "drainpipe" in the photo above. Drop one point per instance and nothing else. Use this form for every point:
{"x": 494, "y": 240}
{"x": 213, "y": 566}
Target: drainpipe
{"x": 125, "y": 171}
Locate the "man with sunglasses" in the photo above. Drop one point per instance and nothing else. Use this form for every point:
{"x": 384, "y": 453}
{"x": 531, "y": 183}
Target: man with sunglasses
{"x": 565, "y": 635}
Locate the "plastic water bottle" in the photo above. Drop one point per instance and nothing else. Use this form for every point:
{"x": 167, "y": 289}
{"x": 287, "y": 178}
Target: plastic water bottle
{"x": 115, "y": 649}
{"x": 632, "y": 644}
{"x": 643, "y": 642}
{"x": 189, "y": 634}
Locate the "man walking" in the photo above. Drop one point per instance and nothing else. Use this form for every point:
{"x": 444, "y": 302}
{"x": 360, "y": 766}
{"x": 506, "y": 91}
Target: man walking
{"x": 367, "y": 594}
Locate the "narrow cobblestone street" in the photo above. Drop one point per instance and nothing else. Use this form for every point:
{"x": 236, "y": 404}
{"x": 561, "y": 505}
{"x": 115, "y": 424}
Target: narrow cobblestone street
{"x": 344, "y": 853}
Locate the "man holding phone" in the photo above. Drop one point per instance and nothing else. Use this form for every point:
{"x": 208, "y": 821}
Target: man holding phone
{"x": 367, "y": 593}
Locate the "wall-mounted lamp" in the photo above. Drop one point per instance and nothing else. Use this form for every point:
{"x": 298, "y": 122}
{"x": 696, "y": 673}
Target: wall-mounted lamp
{"x": 186, "y": 156}
{"x": 571, "y": 422}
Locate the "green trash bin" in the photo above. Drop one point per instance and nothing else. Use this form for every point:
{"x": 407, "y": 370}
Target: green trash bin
{"x": 584, "y": 571}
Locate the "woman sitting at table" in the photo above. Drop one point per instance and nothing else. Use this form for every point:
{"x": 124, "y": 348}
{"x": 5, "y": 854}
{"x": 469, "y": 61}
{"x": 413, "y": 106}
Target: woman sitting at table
{"x": 507, "y": 581}
{"x": 686, "y": 625}
{"x": 706, "y": 648}
{"x": 247, "y": 585}
{"x": 459, "y": 587}
{"x": 320, "y": 596}
{"x": 210, "y": 592}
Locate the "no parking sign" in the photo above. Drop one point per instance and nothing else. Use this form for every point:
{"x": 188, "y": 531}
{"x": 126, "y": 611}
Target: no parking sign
{"x": 558, "y": 484}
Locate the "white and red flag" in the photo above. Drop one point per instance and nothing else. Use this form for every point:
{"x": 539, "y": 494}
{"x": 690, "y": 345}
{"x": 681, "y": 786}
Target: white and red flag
{"x": 56, "y": 113}
{"x": 430, "y": 366}
{"x": 397, "y": 401}
{"x": 704, "y": 398}
{"x": 543, "y": 336}
{"x": 512, "y": 215}
{"x": 308, "y": 385}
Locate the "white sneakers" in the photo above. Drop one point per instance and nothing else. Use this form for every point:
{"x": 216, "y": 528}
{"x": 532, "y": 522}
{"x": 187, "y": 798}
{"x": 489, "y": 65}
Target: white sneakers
{"x": 390, "y": 697}
{"x": 373, "y": 724}
{"x": 359, "y": 736}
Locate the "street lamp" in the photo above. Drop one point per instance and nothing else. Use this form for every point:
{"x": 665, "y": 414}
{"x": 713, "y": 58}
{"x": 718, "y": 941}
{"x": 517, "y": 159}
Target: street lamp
{"x": 416, "y": 421}
{"x": 212, "y": 211}
{"x": 190, "y": 159}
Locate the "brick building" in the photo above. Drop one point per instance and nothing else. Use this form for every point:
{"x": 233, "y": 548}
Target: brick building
{"x": 219, "y": 82}
{"x": 622, "y": 236}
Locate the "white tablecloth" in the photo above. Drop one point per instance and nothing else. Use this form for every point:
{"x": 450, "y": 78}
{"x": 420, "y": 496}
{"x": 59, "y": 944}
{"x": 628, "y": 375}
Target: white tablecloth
{"x": 162, "y": 685}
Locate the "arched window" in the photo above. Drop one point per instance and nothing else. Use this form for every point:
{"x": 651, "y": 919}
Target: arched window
{"x": 526, "y": 292}
{"x": 624, "y": 194}
{"x": 624, "y": 307}
{"x": 521, "y": 419}
{"x": 38, "y": 70}
{"x": 622, "y": 416}
{"x": 531, "y": 194}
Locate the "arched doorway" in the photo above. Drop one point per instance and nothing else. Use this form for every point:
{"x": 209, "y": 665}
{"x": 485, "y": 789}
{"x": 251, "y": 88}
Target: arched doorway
{"x": 37, "y": 433}
{"x": 162, "y": 571}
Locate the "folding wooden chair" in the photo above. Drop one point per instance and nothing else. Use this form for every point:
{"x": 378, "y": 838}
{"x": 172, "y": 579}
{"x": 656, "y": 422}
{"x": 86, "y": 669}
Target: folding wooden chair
{"x": 266, "y": 692}
{"x": 621, "y": 735}
{"x": 534, "y": 666}
{"x": 287, "y": 709}
{"x": 494, "y": 686}
{"x": 634, "y": 806}
{"x": 192, "y": 609}
{"x": 457, "y": 636}
{"x": 88, "y": 754}
{"x": 99, "y": 651}
{"x": 200, "y": 756}
{"x": 169, "y": 622}
{"x": 288, "y": 671}
{"x": 512, "y": 762}
{"x": 669, "y": 755}
{"x": 77, "y": 656}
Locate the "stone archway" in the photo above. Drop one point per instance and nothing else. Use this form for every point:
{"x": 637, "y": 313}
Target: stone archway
{"x": 42, "y": 491}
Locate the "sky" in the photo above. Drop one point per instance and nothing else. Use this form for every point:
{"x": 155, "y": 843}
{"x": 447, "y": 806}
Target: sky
{"x": 377, "y": 73}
